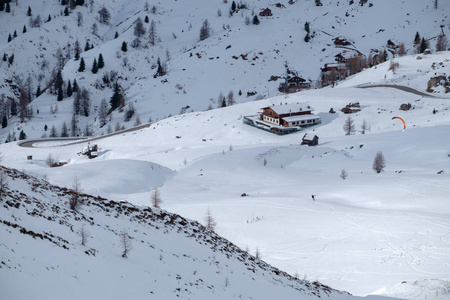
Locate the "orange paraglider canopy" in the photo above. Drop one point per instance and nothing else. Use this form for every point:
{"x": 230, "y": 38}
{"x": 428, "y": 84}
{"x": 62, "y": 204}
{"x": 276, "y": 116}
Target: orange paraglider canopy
{"x": 404, "y": 124}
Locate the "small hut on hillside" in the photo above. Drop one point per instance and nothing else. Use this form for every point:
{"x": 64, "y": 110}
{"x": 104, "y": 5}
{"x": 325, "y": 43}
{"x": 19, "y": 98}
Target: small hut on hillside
{"x": 310, "y": 139}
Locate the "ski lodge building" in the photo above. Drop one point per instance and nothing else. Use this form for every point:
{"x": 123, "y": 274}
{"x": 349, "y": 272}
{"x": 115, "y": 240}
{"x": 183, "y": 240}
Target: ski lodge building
{"x": 282, "y": 119}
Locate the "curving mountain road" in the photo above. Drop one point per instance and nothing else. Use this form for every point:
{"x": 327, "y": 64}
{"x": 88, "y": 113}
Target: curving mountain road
{"x": 399, "y": 87}
{"x": 79, "y": 140}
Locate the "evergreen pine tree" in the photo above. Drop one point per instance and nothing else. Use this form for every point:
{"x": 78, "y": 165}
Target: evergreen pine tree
{"x": 146, "y": 20}
{"x": 2, "y": 5}
{"x": 417, "y": 39}
{"x": 124, "y": 47}
{"x": 423, "y": 45}
{"x": 15, "y": 34}
{"x": 205, "y": 30}
{"x": 49, "y": 18}
{"x": 104, "y": 15}
{"x": 139, "y": 29}
{"x": 233, "y": 6}
{"x": 75, "y": 86}
{"x": 77, "y": 103}
{"x": 103, "y": 112}
{"x": 116, "y": 35}
{"x": 82, "y": 65}
{"x": 77, "y": 50}
{"x": 255, "y": 20}
{"x": 59, "y": 82}
{"x": 85, "y": 102}
{"x": 14, "y": 108}
{"x": 74, "y": 126}
{"x": 9, "y": 38}
{"x": 5, "y": 57}
{"x": 24, "y": 29}
{"x": 29, "y": 12}
{"x": 152, "y": 34}
{"x": 8, "y": 8}
{"x": 53, "y": 132}
{"x": 4, "y": 122}
{"x": 66, "y": 11}
{"x": 22, "y": 135}
{"x": 115, "y": 99}
{"x": 38, "y": 91}
{"x": 69, "y": 89}
{"x": 79, "y": 2}
{"x": 64, "y": 130}
{"x": 87, "y": 47}
{"x": 307, "y": 27}
{"x": 94, "y": 66}
{"x": 101, "y": 62}
{"x": 161, "y": 70}
{"x": 60, "y": 94}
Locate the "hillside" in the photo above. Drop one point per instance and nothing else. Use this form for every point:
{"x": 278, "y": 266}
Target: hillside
{"x": 168, "y": 256}
{"x": 236, "y": 58}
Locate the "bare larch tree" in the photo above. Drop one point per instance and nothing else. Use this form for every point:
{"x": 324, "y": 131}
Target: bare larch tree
{"x": 125, "y": 240}
{"x": 210, "y": 222}
{"x": 156, "y": 198}
{"x": 379, "y": 163}
{"x": 75, "y": 199}
{"x": 349, "y": 126}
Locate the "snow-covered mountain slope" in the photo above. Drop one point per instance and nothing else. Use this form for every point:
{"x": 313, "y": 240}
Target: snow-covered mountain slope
{"x": 57, "y": 252}
{"x": 371, "y": 233}
{"x": 236, "y": 57}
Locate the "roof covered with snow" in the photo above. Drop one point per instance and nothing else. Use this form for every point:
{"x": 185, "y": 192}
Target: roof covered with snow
{"x": 301, "y": 118}
{"x": 290, "y": 108}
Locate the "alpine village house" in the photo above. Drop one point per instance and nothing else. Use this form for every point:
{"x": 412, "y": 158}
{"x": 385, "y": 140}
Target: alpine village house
{"x": 283, "y": 119}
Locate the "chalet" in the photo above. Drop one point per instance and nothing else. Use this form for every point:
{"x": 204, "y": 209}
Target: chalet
{"x": 294, "y": 84}
{"x": 333, "y": 72}
{"x": 283, "y": 119}
{"x": 340, "y": 58}
{"x": 266, "y": 13}
{"x": 289, "y": 115}
{"x": 310, "y": 140}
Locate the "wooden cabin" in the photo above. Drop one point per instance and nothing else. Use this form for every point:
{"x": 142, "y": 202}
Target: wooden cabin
{"x": 310, "y": 139}
{"x": 294, "y": 84}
